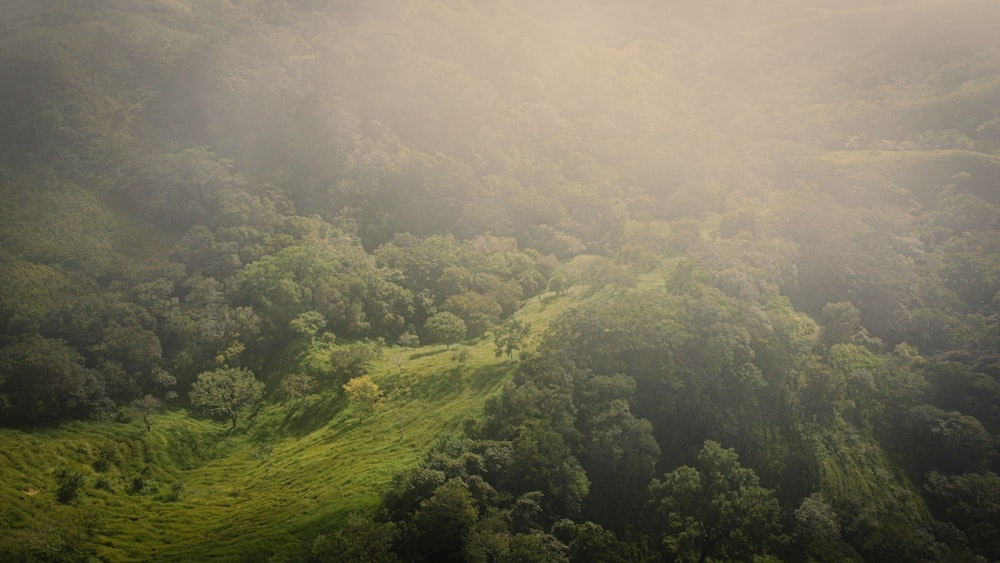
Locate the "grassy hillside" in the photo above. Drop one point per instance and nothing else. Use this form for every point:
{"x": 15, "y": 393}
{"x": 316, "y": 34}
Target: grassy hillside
{"x": 191, "y": 489}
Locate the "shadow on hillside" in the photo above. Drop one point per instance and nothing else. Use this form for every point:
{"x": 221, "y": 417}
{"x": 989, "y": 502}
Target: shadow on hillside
{"x": 487, "y": 377}
{"x": 549, "y": 299}
{"x": 440, "y": 384}
{"x": 431, "y": 352}
{"x": 313, "y": 415}
{"x": 446, "y": 383}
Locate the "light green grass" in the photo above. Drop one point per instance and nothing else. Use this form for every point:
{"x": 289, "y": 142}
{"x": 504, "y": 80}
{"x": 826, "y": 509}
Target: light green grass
{"x": 268, "y": 487}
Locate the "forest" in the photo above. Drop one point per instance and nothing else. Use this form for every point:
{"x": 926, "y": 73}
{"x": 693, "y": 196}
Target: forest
{"x": 499, "y": 280}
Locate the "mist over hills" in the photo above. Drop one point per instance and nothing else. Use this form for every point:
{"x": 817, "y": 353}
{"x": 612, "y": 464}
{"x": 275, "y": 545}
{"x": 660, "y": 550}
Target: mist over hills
{"x": 591, "y": 263}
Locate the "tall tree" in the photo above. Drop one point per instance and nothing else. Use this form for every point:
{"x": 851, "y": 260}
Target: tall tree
{"x": 445, "y": 327}
{"x": 510, "y": 336}
{"x": 364, "y": 391}
{"x": 718, "y": 510}
{"x": 227, "y": 391}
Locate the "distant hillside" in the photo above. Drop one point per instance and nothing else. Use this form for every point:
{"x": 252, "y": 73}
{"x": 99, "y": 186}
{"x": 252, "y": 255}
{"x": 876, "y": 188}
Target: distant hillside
{"x": 500, "y": 280}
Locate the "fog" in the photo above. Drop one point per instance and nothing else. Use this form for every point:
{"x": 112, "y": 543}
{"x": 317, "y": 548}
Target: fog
{"x": 500, "y": 279}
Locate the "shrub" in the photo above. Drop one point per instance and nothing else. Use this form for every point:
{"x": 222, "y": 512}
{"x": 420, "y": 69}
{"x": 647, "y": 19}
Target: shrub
{"x": 70, "y": 482}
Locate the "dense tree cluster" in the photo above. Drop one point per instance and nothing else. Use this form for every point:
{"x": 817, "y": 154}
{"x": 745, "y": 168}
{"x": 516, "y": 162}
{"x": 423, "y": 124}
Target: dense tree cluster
{"x": 611, "y": 434}
{"x": 783, "y": 250}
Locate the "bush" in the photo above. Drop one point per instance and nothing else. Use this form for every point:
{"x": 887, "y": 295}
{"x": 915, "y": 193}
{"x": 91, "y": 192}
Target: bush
{"x": 70, "y": 482}
{"x": 142, "y": 485}
{"x": 107, "y": 456}
{"x": 104, "y": 483}
{"x": 174, "y": 494}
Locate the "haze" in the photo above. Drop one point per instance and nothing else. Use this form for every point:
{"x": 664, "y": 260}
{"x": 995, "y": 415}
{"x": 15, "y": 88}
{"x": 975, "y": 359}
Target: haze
{"x": 499, "y": 280}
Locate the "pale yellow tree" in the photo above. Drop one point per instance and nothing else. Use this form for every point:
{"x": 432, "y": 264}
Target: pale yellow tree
{"x": 364, "y": 391}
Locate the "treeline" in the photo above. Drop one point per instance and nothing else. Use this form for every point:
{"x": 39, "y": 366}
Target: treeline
{"x": 231, "y": 291}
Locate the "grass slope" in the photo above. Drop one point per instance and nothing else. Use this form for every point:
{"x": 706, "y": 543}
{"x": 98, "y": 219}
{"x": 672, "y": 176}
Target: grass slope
{"x": 192, "y": 490}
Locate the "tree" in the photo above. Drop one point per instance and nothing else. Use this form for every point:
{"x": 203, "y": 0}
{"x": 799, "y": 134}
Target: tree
{"x": 364, "y": 391}
{"x": 558, "y": 283}
{"x": 970, "y": 501}
{"x": 479, "y": 311}
{"x": 588, "y": 542}
{"x": 542, "y": 461}
{"x": 352, "y": 360}
{"x": 445, "y": 327}
{"x": 817, "y": 531}
{"x": 717, "y": 510}
{"x": 295, "y": 387}
{"x": 443, "y": 522}
{"x": 145, "y": 407}
{"x": 408, "y": 340}
{"x": 839, "y": 321}
{"x": 510, "y": 336}
{"x": 359, "y": 539}
{"x": 227, "y": 391}
{"x": 308, "y": 324}
{"x": 619, "y": 455}
{"x": 70, "y": 482}
{"x": 536, "y": 546}
{"x": 44, "y": 380}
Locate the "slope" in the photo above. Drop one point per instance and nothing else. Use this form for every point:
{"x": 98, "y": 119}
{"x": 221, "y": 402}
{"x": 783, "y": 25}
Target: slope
{"x": 192, "y": 490}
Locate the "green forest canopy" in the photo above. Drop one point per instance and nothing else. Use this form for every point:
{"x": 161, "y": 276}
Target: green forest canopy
{"x": 772, "y": 226}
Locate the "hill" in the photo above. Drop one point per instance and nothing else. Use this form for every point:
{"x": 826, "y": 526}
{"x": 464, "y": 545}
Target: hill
{"x": 572, "y": 262}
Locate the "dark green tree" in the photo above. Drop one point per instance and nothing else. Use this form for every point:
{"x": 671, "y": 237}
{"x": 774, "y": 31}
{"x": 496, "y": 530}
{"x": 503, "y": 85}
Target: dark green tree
{"x": 44, "y": 380}
{"x": 970, "y": 501}
{"x": 717, "y": 510}
{"x": 510, "y": 337}
{"x": 308, "y": 324}
{"x": 443, "y": 522}
{"x": 445, "y": 327}
{"x": 354, "y": 359}
{"x": 359, "y": 539}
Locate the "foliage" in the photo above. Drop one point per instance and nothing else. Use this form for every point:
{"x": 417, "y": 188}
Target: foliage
{"x": 227, "y": 391}
{"x": 308, "y": 324}
{"x": 194, "y": 185}
{"x": 717, "y": 509}
{"x": 445, "y": 327}
{"x": 44, "y": 379}
{"x": 364, "y": 391}
{"x": 145, "y": 407}
{"x": 443, "y": 520}
{"x": 971, "y": 501}
{"x": 69, "y": 483}
{"x": 360, "y": 539}
{"x": 354, "y": 359}
{"x": 295, "y": 387}
{"x": 510, "y": 336}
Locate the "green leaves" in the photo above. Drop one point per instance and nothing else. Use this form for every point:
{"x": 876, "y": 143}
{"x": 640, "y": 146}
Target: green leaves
{"x": 364, "y": 391}
{"x": 717, "y": 509}
{"x": 446, "y": 328}
{"x": 510, "y": 336}
{"x": 227, "y": 391}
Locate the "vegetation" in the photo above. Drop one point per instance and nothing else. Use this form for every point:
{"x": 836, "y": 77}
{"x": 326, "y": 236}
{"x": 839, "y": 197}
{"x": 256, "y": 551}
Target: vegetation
{"x": 712, "y": 282}
{"x": 226, "y": 391}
